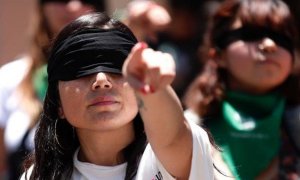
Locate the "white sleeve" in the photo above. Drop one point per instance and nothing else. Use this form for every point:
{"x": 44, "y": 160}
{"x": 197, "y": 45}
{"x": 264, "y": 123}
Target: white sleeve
{"x": 151, "y": 168}
{"x": 3, "y": 99}
{"x": 11, "y": 74}
{"x": 202, "y": 164}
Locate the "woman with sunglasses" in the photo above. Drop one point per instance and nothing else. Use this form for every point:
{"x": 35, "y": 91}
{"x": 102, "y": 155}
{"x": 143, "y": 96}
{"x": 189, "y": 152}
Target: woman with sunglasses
{"x": 23, "y": 84}
{"x": 247, "y": 87}
{"x": 110, "y": 112}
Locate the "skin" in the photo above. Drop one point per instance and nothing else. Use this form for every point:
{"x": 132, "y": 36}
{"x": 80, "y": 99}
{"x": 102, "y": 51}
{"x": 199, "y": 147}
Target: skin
{"x": 256, "y": 67}
{"x": 146, "y": 18}
{"x": 58, "y": 14}
{"x": 100, "y": 98}
{"x": 161, "y": 108}
{"x": 102, "y": 106}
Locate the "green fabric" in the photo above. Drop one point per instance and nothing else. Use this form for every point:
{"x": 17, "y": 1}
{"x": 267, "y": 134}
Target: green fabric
{"x": 40, "y": 82}
{"x": 249, "y": 132}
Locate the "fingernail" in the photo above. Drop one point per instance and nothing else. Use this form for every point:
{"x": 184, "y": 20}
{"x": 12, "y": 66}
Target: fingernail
{"x": 143, "y": 45}
{"x": 143, "y": 91}
{"x": 146, "y": 89}
{"x": 151, "y": 89}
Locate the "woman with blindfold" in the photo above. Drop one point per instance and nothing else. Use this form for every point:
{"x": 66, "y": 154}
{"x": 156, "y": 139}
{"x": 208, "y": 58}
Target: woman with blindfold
{"x": 110, "y": 112}
{"x": 247, "y": 87}
{"x": 23, "y": 84}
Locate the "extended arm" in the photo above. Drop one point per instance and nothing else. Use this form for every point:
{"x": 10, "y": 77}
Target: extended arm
{"x": 150, "y": 73}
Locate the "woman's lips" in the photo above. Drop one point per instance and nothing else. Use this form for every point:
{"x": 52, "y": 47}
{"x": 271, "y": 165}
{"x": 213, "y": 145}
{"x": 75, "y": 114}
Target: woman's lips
{"x": 104, "y": 101}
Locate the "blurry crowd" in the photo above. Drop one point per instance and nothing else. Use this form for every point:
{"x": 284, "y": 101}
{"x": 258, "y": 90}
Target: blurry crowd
{"x": 237, "y": 75}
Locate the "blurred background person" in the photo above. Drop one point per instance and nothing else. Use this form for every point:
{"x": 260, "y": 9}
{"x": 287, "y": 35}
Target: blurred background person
{"x": 23, "y": 81}
{"x": 175, "y": 27}
{"x": 246, "y": 88}
{"x": 294, "y": 7}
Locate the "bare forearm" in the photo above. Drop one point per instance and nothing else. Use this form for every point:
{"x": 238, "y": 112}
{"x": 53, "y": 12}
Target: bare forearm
{"x": 150, "y": 74}
{"x": 167, "y": 131}
{"x": 162, "y": 115}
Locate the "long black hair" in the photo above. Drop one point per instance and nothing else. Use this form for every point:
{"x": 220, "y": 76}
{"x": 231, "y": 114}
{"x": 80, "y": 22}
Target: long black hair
{"x": 55, "y": 139}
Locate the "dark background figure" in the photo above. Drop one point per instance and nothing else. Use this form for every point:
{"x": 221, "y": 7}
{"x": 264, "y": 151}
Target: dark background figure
{"x": 180, "y": 36}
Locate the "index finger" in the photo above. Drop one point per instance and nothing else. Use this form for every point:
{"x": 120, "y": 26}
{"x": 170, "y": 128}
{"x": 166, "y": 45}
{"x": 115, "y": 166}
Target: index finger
{"x": 136, "y": 51}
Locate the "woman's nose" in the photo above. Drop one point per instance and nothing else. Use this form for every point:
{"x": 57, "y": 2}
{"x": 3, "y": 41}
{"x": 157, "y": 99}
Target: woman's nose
{"x": 267, "y": 45}
{"x": 101, "y": 81}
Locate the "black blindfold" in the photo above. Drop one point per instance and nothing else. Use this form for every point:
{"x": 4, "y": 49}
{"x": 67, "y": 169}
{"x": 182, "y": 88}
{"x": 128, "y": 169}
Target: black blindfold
{"x": 249, "y": 34}
{"x": 89, "y": 51}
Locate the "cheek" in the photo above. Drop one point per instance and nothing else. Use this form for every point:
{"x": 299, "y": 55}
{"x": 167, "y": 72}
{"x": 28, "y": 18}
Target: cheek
{"x": 286, "y": 68}
{"x": 71, "y": 99}
{"x": 238, "y": 51}
{"x": 286, "y": 59}
{"x": 130, "y": 99}
{"x": 239, "y": 56}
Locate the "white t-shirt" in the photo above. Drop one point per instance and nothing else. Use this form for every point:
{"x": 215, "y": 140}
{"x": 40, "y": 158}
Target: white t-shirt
{"x": 12, "y": 117}
{"x": 88, "y": 171}
{"x": 202, "y": 165}
{"x": 150, "y": 168}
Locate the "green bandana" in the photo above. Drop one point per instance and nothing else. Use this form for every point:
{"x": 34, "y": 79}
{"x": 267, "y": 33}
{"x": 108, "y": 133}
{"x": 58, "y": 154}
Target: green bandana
{"x": 249, "y": 132}
{"x": 40, "y": 82}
